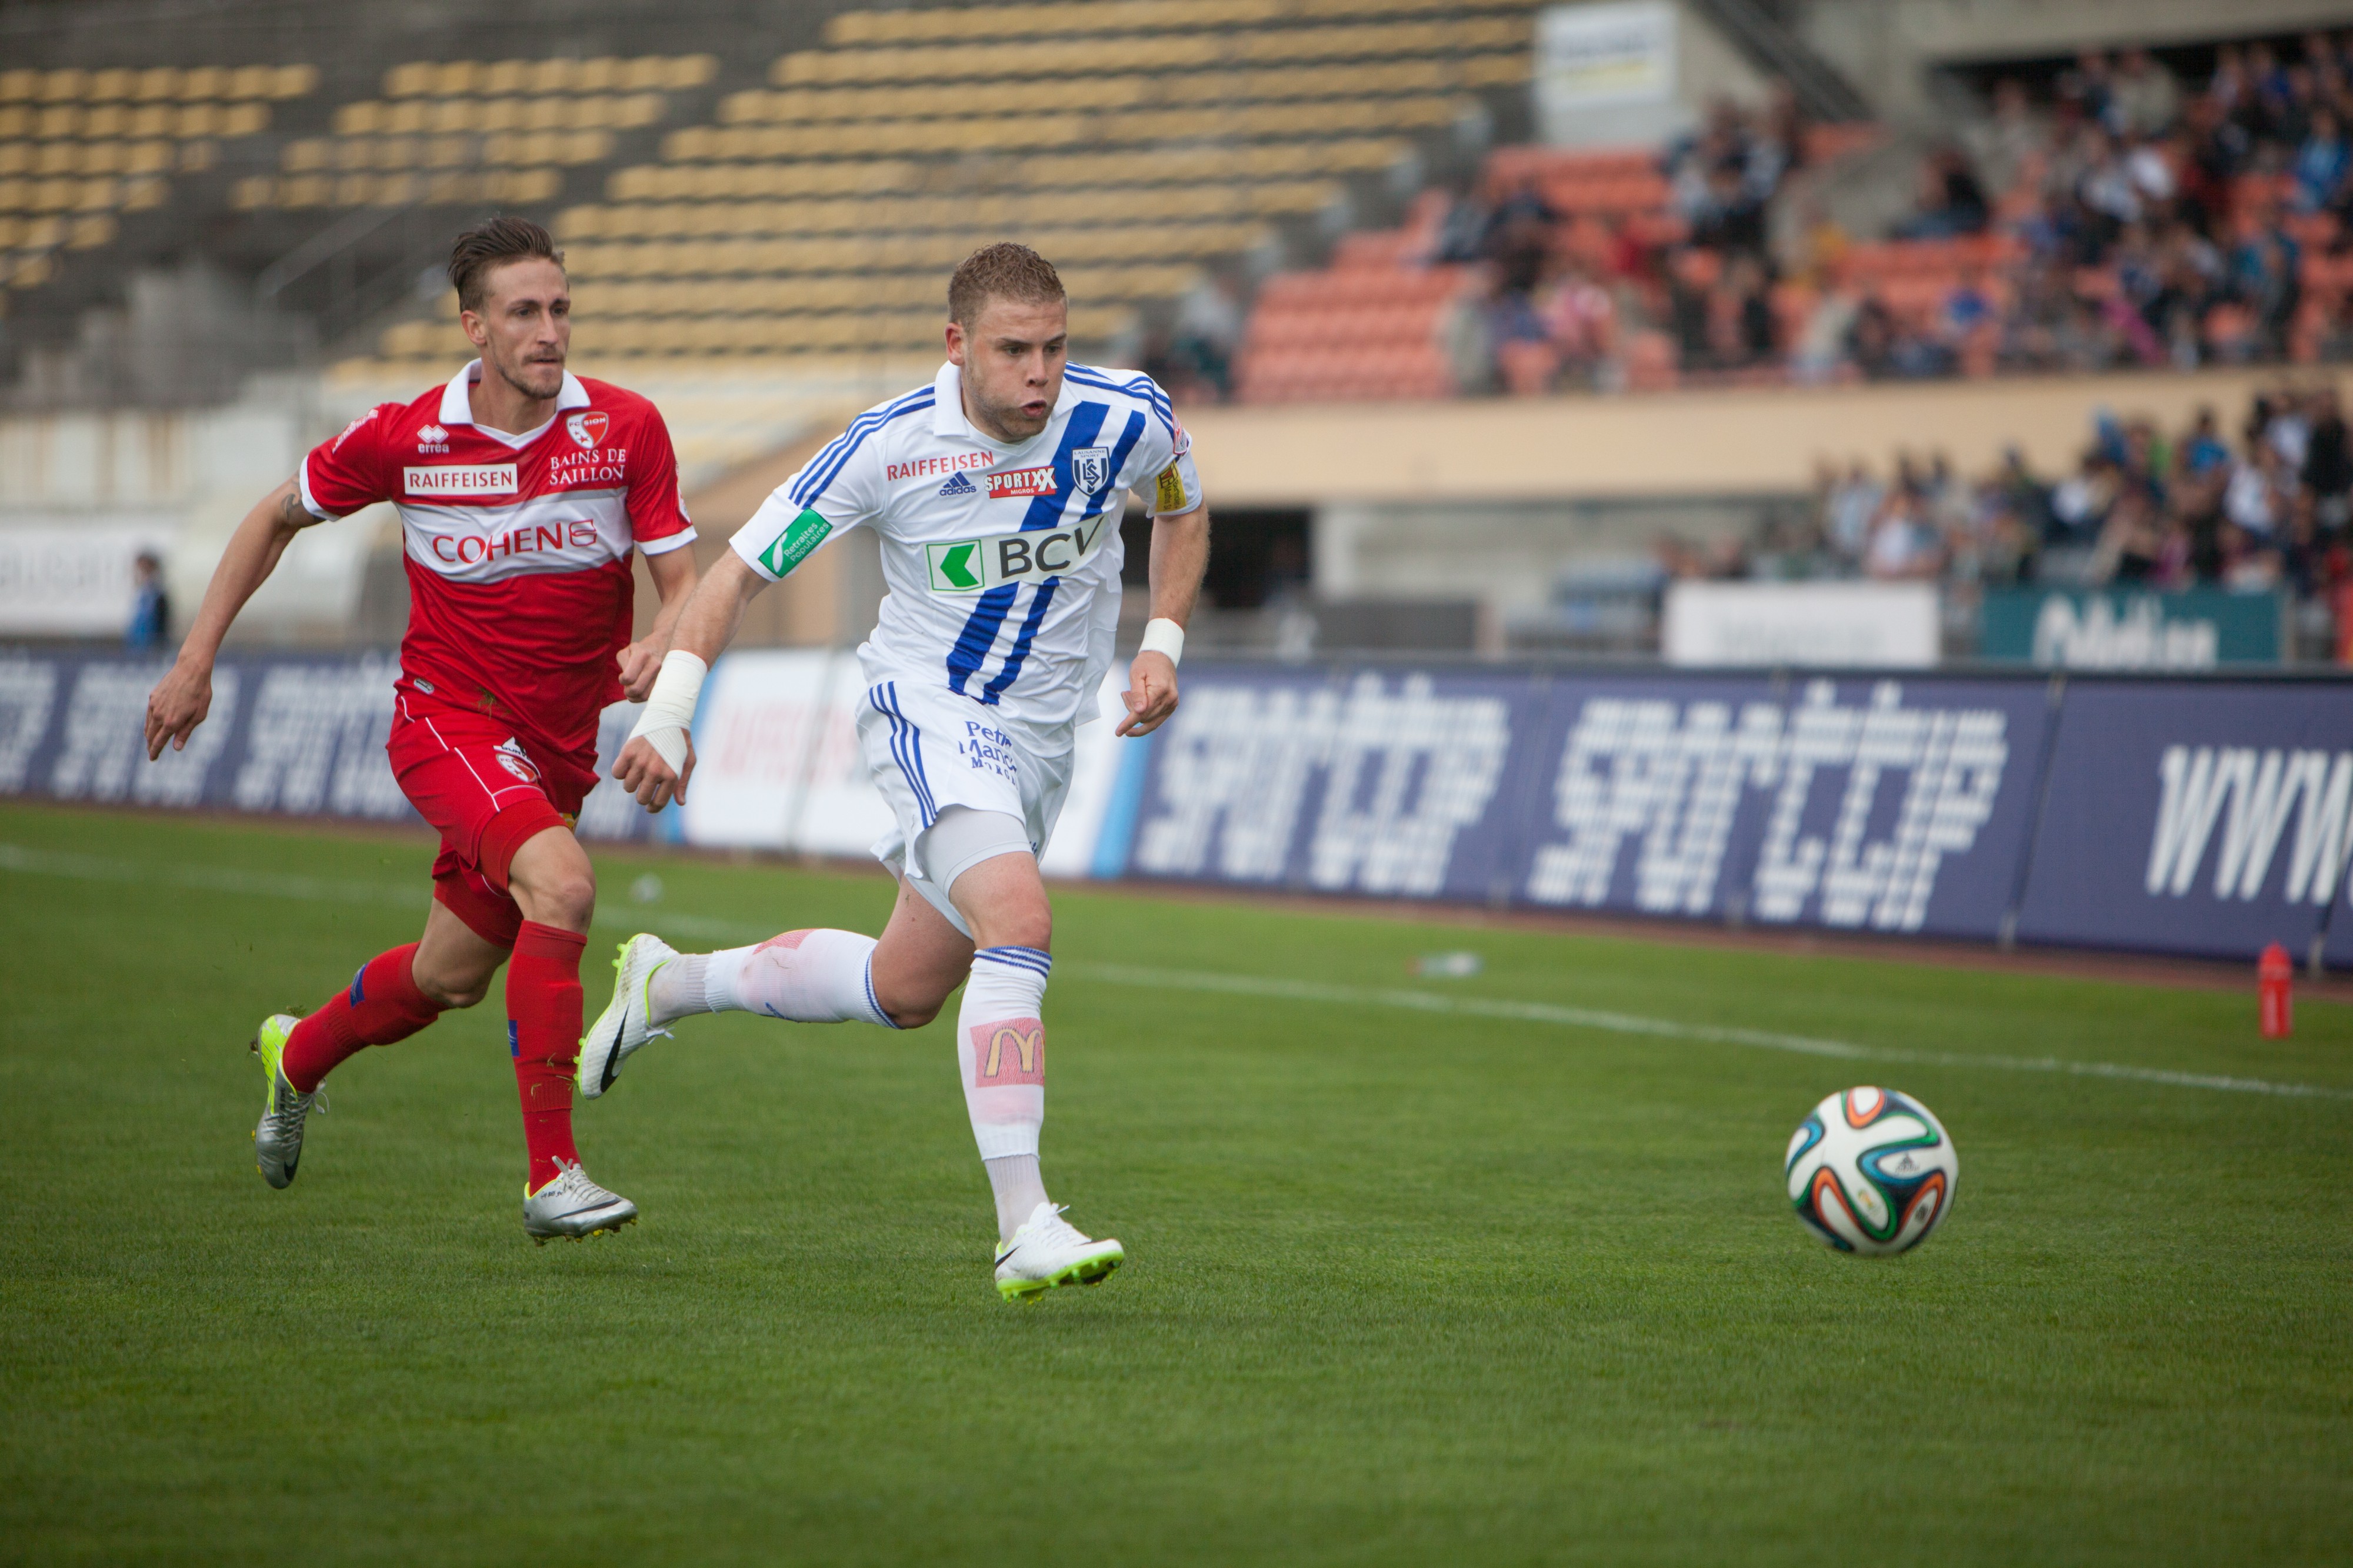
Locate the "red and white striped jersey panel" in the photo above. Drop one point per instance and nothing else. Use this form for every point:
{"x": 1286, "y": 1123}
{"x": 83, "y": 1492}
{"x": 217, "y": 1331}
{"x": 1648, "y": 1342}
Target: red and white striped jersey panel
{"x": 574, "y": 532}
{"x": 518, "y": 546}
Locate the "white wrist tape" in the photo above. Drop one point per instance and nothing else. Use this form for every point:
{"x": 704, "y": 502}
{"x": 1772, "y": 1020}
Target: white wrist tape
{"x": 1163, "y": 636}
{"x": 670, "y": 707}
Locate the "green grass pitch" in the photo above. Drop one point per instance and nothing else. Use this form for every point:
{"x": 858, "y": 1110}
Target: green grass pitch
{"x": 1406, "y": 1284}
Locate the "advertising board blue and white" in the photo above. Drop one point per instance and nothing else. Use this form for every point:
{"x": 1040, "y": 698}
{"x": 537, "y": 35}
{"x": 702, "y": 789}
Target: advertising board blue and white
{"x": 2208, "y": 817}
{"x": 1884, "y": 806}
{"x": 2180, "y": 815}
{"x": 291, "y": 734}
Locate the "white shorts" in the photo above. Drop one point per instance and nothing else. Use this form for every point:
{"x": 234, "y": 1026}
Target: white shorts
{"x": 929, "y": 749}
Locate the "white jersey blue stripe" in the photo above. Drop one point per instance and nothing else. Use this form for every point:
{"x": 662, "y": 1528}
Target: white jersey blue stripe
{"x": 1002, "y": 561}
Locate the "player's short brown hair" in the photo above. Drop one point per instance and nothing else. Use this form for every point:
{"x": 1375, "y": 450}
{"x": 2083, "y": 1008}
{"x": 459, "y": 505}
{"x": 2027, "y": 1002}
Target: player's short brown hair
{"x": 493, "y": 243}
{"x": 1001, "y": 271}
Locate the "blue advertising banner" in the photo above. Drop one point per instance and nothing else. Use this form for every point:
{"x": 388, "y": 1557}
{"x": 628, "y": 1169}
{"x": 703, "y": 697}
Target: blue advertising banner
{"x": 1891, "y": 805}
{"x": 1368, "y": 782}
{"x": 1887, "y": 806}
{"x": 2194, "y": 817}
{"x": 292, "y": 733}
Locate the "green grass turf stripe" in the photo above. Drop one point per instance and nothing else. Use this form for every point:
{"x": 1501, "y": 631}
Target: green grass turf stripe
{"x": 17, "y": 858}
{"x": 1627, "y": 1023}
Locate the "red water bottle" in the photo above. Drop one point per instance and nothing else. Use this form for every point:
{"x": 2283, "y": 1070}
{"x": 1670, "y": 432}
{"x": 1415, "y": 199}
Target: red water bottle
{"x": 2274, "y": 984}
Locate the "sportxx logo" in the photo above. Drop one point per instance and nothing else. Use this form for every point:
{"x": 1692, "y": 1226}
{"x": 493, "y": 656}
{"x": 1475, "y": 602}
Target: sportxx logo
{"x": 1013, "y": 483}
{"x": 589, "y": 428}
{"x": 1008, "y": 1053}
{"x": 460, "y": 480}
{"x": 971, "y": 565}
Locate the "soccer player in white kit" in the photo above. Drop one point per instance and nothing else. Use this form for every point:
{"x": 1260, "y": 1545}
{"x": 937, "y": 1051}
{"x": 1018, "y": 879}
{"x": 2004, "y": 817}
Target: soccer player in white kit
{"x": 997, "y": 491}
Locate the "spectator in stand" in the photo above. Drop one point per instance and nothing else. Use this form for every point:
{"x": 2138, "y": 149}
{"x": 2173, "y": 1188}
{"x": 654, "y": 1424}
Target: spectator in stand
{"x": 2320, "y": 163}
{"x": 1850, "y": 506}
{"x": 150, "y": 605}
{"x": 1952, "y": 201}
{"x": 2007, "y": 145}
{"x": 1207, "y": 328}
{"x": 2327, "y": 473}
{"x": 2145, "y": 98}
{"x": 2203, "y": 450}
{"x": 2262, "y": 277}
{"x": 1905, "y": 543}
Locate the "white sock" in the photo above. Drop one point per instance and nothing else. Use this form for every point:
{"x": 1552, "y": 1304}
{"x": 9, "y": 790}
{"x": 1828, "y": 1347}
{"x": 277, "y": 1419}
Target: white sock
{"x": 1020, "y": 1189}
{"x": 1001, "y": 1056}
{"x": 808, "y": 977}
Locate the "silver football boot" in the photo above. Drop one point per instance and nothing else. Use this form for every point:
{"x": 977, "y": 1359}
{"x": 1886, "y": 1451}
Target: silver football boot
{"x": 575, "y": 1208}
{"x": 626, "y": 1021}
{"x": 278, "y": 1139}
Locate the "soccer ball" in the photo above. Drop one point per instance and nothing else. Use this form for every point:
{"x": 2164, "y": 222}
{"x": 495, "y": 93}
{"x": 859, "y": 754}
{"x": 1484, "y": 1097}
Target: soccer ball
{"x": 1871, "y": 1171}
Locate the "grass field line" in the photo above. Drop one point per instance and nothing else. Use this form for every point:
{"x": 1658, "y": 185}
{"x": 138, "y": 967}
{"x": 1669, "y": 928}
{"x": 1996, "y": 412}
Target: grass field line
{"x": 228, "y": 880}
{"x": 1633, "y": 1024}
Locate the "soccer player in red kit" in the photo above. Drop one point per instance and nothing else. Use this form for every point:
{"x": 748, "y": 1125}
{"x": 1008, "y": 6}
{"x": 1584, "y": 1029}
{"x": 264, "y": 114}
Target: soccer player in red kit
{"x": 522, "y": 491}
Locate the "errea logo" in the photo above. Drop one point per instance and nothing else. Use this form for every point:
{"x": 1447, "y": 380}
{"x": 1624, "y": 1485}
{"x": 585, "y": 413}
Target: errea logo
{"x": 432, "y": 438}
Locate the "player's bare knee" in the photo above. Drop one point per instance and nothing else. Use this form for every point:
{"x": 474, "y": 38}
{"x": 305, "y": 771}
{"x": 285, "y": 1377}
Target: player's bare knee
{"x": 566, "y": 896}
{"x": 912, "y": 1018}
{"x": 453, "y": 989}
{"x": 453, "y": 997}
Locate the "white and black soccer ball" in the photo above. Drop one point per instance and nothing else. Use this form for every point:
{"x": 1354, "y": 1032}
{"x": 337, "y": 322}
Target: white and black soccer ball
{"x": 1871, "y": 1171}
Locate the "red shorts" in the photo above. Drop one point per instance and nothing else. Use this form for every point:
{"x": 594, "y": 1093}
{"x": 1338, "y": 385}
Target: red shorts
{"x": 487, "y": 794}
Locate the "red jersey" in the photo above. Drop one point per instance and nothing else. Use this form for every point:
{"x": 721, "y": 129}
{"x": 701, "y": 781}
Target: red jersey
{"x": 519, "y": 584}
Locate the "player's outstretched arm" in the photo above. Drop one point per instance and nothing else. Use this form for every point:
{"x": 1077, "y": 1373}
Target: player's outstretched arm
{"x": 1180, "y": 555}
{"x": 674, "y": 579}
{"x": 185, "y": 695}
{"x": 659, "y": 757}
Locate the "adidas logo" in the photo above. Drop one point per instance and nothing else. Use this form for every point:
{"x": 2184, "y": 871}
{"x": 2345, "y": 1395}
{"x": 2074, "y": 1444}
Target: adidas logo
{"x": 958, "y": 484}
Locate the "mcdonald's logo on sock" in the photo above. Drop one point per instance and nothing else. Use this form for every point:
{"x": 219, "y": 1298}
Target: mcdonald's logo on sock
{"x": 1010, "y": 1051}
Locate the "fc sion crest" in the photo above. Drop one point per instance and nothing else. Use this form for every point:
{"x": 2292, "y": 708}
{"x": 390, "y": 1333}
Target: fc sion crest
{"x": 586, "y": 429}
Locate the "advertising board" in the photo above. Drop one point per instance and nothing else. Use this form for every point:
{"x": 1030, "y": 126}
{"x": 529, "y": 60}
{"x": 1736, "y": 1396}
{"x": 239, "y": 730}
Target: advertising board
{"x": 2203, "y": 817}
{"x": 2067, "y": 629}
{"x": 1857, "y": 625}
{"x": 2208, "y": 818}
{"x": 288, "y": 734}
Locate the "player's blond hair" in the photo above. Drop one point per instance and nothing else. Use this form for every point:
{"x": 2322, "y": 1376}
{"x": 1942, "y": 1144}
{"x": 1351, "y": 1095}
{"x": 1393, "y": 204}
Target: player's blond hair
{"x": 1001, "y": 271}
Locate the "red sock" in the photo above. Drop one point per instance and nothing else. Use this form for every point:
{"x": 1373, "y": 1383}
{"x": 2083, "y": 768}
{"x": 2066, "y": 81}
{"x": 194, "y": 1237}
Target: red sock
{"x": 381, "y": 1005}
{"x": 543, "y": 1031}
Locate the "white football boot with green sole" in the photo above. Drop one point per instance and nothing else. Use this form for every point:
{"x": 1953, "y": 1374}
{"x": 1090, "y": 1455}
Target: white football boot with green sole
{"x": 1047, "y": 1251}
{"x": 626, "y": 1021}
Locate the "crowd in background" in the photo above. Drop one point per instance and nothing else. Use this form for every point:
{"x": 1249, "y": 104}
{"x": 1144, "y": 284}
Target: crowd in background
{"x": 2259, "y": 506}
{"x": 2112, "y": 216}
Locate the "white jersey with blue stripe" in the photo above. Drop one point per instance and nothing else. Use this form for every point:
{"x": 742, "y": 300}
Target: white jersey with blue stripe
{"x": 1002, "y": 561}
